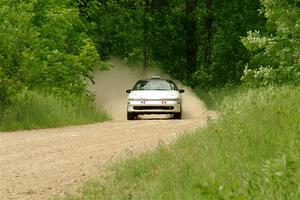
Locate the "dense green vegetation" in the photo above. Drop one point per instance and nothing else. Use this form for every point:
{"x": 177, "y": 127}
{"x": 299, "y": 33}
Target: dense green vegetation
{"x": 206, "y": 43}
{"x": 30, "y": 109}
{"x": 52, "y": 47}
{"x": 276, "y": 58}
{"x": 195, "y": 42}
{"x": 251, "y": 152}
{"x": 44, "y": 48}
{"x": 214, "y": 97}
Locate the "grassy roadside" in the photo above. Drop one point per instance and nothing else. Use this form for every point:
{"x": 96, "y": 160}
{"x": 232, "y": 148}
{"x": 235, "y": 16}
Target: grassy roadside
{"x": 30, "y": 110}
{"x": 251, "y": 152}
{"x": 213, "y": 98}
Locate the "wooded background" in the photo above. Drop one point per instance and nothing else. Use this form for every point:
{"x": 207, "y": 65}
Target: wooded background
{"x": 53, "y": 46}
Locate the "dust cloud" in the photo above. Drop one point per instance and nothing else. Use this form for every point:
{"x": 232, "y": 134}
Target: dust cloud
{"x": 110, "y": 90}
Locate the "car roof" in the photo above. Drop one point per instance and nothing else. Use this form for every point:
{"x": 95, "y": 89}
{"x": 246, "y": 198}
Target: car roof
{"x": 155, "y": 79}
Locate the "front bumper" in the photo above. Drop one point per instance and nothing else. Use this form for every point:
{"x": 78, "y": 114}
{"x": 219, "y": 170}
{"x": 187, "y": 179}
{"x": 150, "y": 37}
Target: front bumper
{"x": 154, "y": 106}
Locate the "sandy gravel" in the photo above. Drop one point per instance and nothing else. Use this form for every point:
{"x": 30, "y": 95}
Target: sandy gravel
{"x": 41, "y": 163}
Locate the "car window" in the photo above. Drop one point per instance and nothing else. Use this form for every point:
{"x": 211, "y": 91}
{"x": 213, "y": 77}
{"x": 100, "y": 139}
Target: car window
{"x": 155, "y": 85}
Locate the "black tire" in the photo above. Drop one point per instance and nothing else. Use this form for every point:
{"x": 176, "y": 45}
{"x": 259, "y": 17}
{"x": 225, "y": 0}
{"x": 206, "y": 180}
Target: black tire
{"x": 130, "y": 116}
{"x": 177, "y": 115}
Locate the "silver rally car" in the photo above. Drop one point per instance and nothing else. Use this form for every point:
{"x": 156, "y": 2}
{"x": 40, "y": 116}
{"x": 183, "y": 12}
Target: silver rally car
{"x": 154, "y": 96}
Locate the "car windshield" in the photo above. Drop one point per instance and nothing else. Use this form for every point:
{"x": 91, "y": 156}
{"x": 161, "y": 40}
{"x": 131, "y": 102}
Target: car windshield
{"x": 155, "y": 85}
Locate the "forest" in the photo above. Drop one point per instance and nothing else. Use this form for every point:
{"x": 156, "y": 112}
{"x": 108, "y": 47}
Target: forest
{"x": 50, "y": 48}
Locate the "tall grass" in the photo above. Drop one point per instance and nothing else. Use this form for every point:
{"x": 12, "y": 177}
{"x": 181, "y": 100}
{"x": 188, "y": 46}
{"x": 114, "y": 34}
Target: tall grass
{"x": 251, "y": 152}
{"x": 214, "y": 97}
{"x": 30, "y": 109}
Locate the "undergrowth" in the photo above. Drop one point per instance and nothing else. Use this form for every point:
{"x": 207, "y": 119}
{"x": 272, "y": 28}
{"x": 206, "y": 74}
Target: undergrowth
{"x": 31, "y": 110}
{"x": 214, "y": 97}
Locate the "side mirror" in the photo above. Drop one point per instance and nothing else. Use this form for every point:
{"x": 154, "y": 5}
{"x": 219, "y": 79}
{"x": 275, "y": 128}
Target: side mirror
{"x": 128, "y": 91}
{"x": 181, "y": 90}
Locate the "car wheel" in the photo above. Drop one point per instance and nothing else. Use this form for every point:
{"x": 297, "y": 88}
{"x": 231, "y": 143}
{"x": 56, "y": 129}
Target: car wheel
{"x": 130, "y": 116}
{"x": 177, "y": 115}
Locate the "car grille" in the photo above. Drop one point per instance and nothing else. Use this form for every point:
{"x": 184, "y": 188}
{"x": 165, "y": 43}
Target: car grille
{"x": 153, "y": 107}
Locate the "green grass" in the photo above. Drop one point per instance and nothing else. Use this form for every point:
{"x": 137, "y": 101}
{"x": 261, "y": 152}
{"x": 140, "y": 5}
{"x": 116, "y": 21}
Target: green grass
{"x": 30, "y": 110}
{"x": 214, "y": 97}
{"x": 251, "y": 152}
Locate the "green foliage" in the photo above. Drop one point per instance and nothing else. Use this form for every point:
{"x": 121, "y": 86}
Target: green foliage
{"x": 276, "y": 53}
{"x": 30, "y": 110}
{"x": 8, "y": 88}
{"x": 116, "y": 27}
{"x": 231, "y": 21}
{"x": 165, "y": 38}
{"x": 15, "y": 34}
{"x": 251, "y": 152}
{"x": 158, "y": 29}
{"x": 44, "y": 46}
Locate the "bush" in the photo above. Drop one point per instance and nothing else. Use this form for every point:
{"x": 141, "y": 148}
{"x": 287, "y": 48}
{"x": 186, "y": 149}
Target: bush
{"x": 31, "y": 109}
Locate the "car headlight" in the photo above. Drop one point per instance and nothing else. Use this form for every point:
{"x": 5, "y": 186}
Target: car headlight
{"x": 175, "y": 99}
{"x": 134, "y": 99}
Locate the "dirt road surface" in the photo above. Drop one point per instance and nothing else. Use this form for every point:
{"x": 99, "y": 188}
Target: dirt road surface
{"x": 40, "y": 164}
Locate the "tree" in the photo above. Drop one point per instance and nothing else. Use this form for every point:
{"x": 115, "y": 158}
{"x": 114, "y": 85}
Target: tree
{"x": 16, "y": 35}
{"x": 276, "y": 57}
{"x": 208, "y": 25}
{"x": 221, "y": 54}
{"x": 42, "y": 48}
{"x": 191, "y": 37}
{"x": 197, "y": 42}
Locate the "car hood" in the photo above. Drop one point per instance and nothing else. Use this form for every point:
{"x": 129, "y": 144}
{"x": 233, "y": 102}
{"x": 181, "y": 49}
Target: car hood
{"x": 154, "y": 94}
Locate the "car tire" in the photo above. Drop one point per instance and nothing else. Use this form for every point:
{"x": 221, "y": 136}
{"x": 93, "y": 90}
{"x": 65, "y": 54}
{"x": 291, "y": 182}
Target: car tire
{"x": 130, "y": 116}
{"x": 178, "y": 115}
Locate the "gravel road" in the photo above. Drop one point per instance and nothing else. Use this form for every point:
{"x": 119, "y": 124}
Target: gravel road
{"x": 38, "y": 164}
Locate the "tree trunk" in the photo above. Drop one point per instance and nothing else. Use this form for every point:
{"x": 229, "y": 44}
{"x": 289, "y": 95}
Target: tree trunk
{"x": 145, "y": 34}
{"x": 191, "y": 38}
{"x": 208, "y": 33}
